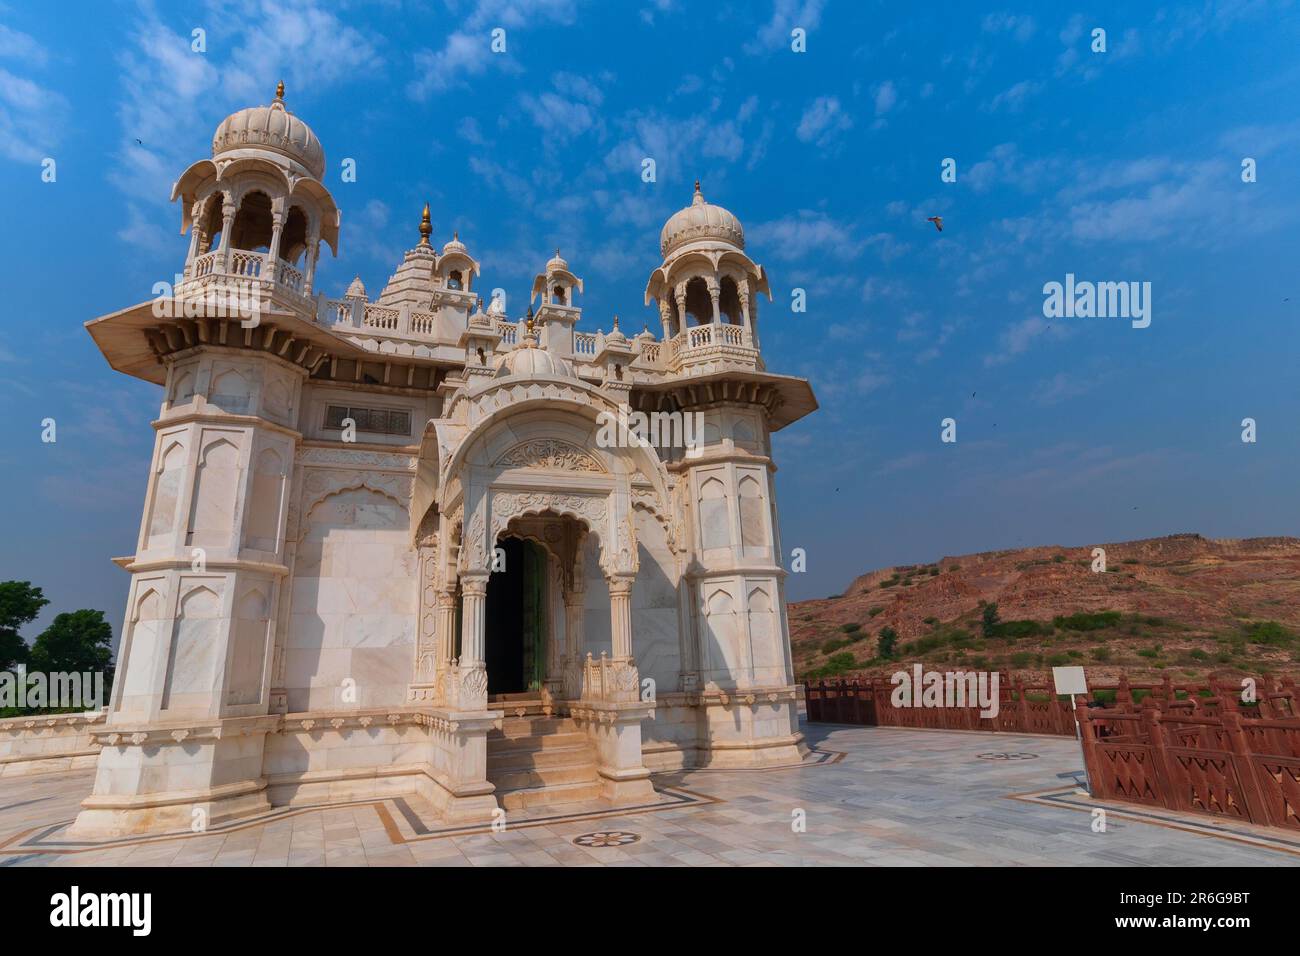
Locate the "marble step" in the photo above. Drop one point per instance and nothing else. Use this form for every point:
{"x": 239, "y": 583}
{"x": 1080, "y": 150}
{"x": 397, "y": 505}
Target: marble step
{"x": 564, "y": 741}
{"x": 546, "y": 796}
{"x": 576, "y": 754}
{"x": 538, "y": 777}
{"x": 534, "y": 727}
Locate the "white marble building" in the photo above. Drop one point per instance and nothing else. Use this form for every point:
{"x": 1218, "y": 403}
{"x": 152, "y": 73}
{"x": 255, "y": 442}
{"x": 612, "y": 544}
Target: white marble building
{"x": 387, "y": 548}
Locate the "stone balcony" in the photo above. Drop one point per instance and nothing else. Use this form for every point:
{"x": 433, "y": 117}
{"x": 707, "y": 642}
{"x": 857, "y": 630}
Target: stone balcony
{"x": 250, "y": 272}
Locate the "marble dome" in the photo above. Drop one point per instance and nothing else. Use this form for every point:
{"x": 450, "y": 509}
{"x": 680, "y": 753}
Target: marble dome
{"x": 700, "y": 220}
{"x": 271, "y": 128}
{"x": 530, "y": 359}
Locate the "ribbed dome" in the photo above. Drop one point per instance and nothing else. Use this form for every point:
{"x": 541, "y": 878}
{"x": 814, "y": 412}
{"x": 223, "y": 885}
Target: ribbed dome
{"x": 556, "y": 264}
{"x": 700, "y": 220}
{"x": 454, "y": 245}
{"x": 530, "y": 359}
{"x": 271, "y": 127}
{"x": 532, "y": 362}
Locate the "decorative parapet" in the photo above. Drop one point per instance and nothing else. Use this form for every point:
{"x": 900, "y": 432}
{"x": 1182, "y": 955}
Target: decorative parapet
{"x": 144, "y": 735}
{"x": 466, "y": 688}
{"x": 47, "y": 743}
{"x": 610, "y": 680}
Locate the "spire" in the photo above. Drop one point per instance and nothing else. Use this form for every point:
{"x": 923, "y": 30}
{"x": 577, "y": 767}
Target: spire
{"x": 426, "y": 228}
{"x": 698, "y": 198}
{"x": 279, "y": 91}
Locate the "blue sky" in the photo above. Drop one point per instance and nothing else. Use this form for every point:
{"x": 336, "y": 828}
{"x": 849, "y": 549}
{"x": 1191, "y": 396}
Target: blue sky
{"x": 1115, "y": 166}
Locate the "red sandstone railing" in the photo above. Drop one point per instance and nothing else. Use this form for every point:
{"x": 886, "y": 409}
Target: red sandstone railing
{"x": 1205, "y": 752}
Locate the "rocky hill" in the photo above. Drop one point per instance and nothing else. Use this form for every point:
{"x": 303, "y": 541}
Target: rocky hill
{"x": 1182, "y": 602}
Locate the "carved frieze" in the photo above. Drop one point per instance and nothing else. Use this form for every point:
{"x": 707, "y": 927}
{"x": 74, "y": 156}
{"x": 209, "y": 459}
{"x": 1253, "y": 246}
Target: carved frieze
{"x": 550, "y": 453}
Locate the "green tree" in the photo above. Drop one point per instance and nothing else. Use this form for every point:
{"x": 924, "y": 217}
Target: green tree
{"x": 75, "y": 641}
{"x": 989, "y": 620}
{"x": 20, "y": 603}
{"x": 888, "y": 642}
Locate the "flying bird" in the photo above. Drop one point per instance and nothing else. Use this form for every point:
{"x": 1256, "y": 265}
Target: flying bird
{"x": 938, "y": 222}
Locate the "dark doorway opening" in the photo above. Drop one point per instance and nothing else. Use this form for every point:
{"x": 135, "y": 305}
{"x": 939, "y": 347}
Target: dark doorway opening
{"x": 515, "y": 625}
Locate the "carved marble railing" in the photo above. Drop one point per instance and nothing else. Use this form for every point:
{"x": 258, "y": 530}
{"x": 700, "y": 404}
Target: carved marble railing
{"x": 584, "y": 344}
{"x": 509, "y": 331}
{"x": 710, "y": 340}
{"x": 423, "y": 323}
{"x": 380, "y": 317}
{"x": 245, "y": 267}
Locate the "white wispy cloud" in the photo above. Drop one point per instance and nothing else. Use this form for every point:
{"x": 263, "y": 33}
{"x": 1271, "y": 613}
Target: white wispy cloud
{"x": 467, "y": 51}
{"x": 786, "y": 15}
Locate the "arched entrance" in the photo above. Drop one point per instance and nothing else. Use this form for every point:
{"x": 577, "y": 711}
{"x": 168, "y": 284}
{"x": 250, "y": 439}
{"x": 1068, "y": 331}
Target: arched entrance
{"x": 515, "y": 630}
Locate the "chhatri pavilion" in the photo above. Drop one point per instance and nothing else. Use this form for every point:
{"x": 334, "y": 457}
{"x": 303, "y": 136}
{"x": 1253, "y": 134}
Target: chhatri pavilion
{"x": 407, "y": 544}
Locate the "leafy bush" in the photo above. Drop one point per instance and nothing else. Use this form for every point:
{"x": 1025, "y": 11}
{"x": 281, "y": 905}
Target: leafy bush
{"x": 932, "y": 621}
{"x": 1198, "y": 654}
{"x": 888, "y": 643}
{"x": 1058, "y": 660}
{"x": 989, "y": 619}
{"x": 837, "y": 665}
{"x": 1021, "y": 659}
{"x": 1026, "y": 628}
{"x": 1269, "y": 632}
{"x": 874, "y": 611}
{"x": 850, "y": 628}
{"x": 833, "y": 645}
{"x": 1100, "y": 654}
{"x": 1084, "y": 621}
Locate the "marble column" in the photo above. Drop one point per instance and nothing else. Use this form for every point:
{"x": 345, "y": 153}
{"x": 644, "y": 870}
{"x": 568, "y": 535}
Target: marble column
{"x": 473, "y": 638}
{"x": 575, "y": 611}
{"x": 273, "y": 251}
{"x": 313, "y": 251}
{"x": 227, "y": 223}
{"x": 620, "y": 617}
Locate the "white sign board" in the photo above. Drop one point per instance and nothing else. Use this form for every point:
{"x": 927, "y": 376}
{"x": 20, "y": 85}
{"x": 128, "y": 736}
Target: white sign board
{"x": 1069, "y": 680}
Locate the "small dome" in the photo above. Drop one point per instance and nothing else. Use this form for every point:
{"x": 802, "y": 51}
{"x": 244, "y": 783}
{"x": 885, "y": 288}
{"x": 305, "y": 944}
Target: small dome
{"x": 700, "y": 220}
{"x": 273, "y": 128}
{"x": 455, "y": 245}
{"x": 556, "y": 264}
{"x": 529, "y": 359}
{"x": 615, "y": 334}
{"x": 533, "y": 362}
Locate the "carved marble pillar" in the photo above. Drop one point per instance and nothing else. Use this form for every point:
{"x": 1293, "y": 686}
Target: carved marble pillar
{"x": 473, "y": 638}
{"x": 744, "y": 314}
{"x": 445, "y": 609}
{"x": 227, "y": 222}
{"x": 680, "y": 290}
{"x": 575, "y": 611}
{"x": 666, "y": 317}
{"x": 273, "y": 251}
{"x": 196, "y": 218}
{"x": 313, "y": 251}
{"x": 715, "y": 294}
{"x": 620, "y": 616}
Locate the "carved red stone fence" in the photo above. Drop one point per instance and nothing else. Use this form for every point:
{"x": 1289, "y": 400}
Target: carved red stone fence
{"x": 1206, "y": 752}
{"x": 1021, "y": 708}
{"x": 1230, "y": 766}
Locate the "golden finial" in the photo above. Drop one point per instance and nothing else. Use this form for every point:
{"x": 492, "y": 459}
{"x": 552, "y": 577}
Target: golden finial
{"x": 616, "y": 323}
{"x": 528, "y": 320}
{"x": 697, "y": 185}
{"x": 455, "y": 235}
{"x": 279, "y": 90}
{"x": 426, "y": 228}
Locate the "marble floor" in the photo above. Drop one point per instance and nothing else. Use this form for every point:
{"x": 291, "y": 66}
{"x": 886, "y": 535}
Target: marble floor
{"x": 864, "y": 796}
